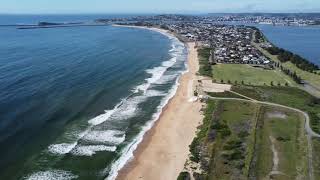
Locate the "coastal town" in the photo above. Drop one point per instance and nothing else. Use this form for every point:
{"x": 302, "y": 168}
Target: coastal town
{"x": 228, "y": 43}
{"x": 234, "y": 18}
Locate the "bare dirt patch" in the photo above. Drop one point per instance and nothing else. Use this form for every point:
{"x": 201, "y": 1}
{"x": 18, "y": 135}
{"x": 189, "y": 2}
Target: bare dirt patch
{"x": 209, "y": 86}
{"x": 277, "y": 114}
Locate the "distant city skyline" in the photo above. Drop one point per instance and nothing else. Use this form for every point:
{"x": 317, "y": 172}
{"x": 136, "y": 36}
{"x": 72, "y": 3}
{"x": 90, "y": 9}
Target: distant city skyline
{"x": 157, "y": 6}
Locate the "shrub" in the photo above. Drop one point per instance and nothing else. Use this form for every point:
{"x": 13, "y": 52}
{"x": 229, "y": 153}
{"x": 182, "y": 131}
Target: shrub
{"x": 184, "y": 176}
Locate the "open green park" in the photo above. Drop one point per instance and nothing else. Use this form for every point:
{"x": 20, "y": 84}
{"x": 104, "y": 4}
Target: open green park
{"x": 246, "y": 74}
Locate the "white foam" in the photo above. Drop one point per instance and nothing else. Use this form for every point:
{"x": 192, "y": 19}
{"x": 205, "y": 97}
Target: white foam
{"x": 110, "y": 136}
{"x": 62, "y": 148}
{"x": 52, "y": 175}
{"x": 127, "y": 152}
{"x": 170, "y": 62}
{"x": 156, "y": 74}
{"x": 153, "y": 93}
{"x": 166, "y": 78}
{"x": 104, "y": 117}
{"x": 91, "y": 149}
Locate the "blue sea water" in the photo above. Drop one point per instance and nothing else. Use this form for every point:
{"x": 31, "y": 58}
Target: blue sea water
{"x": 75, "y": 102}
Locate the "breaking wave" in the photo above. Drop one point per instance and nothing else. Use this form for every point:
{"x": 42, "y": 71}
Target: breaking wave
{"x": 52, "y": 175}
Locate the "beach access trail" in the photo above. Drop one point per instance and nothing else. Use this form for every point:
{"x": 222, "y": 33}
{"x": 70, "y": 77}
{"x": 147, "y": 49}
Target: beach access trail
{"x": 165, "y": 148}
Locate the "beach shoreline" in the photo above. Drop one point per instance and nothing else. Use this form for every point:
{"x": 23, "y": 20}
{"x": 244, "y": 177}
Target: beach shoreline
{"x": 164, "y": 148}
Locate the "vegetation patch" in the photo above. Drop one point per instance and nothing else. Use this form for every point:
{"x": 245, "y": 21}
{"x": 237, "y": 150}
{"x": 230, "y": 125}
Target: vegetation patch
{"x": 223, "y": 144}
{"x": 195, "y": 146}
{"x": 184, "y": 176}
{"x": 205, "y": 68}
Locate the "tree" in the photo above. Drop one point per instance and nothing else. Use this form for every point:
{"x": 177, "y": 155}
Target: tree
{"x": 195, "y": 93}
{"x": 271, "y": 83}
{"x": 221, "y": 81}
{"x": 286, "y": 84}
{"x": 242, "y": 82}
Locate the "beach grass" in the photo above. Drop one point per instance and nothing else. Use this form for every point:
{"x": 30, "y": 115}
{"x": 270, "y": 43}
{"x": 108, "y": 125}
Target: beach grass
{"x": 238, "y": 73}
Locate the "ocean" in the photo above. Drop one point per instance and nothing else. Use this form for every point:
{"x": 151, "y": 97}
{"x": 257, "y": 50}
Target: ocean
{"x": 76, "y": 101}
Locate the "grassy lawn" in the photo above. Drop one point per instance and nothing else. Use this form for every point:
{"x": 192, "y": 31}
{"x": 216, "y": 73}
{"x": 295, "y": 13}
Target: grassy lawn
{"x": 286, "y": 128}
{"x": 316, "y": 158}
{"x": 313, "y": 79}
{"x": 249, "y": 75}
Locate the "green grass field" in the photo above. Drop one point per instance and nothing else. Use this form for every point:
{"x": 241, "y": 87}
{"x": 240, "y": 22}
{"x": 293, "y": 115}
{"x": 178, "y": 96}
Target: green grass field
{"x": 316, "y": 158}
{"x": 286, "y": 129}
{"x": 249, "y": 75}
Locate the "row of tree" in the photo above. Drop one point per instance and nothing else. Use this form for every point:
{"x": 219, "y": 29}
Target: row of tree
{"x": 300, "y": 62}
{"x": 243, "y": 83}
{"x": 259, "y": 37}
{"x": 293, "y": 75}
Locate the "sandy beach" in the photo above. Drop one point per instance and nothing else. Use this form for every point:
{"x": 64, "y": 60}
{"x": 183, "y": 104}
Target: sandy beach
{"x": 165, "y": 148}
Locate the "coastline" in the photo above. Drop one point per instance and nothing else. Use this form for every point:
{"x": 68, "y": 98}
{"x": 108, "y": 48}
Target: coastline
{"x": 164, "y": 148}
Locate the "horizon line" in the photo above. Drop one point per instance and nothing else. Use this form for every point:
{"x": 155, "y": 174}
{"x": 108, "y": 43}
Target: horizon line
{"x": 153, "y": 13}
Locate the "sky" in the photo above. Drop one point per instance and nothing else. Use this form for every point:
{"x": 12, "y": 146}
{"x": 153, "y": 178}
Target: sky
{"x": 155, "y": 6}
